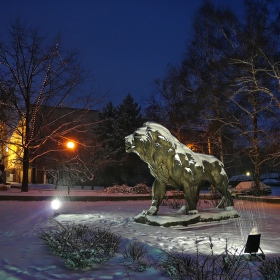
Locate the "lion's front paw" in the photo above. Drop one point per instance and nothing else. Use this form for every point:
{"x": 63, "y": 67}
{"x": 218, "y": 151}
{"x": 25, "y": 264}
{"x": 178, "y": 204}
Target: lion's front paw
{"x": 144, "y": 213}
{"x": 152, "y": 211}
{"x": 192, "y": 212}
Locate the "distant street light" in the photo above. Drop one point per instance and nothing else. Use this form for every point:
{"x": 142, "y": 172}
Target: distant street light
{"x": 248, "y": 173}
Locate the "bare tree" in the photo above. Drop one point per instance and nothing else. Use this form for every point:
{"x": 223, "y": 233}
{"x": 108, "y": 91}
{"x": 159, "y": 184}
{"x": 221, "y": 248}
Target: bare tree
{"x": 207, "y": 56}
{"x": 174, "y": 103}
{"x": 35, "y": 73}
{"x": 255, "y": 87}
{"x": 191, "y": 97}
{"x": 83, "y": 164}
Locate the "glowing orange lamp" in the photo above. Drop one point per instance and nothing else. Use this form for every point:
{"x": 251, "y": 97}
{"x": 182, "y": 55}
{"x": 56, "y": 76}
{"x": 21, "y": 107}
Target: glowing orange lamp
{"x": 70, "y": 145}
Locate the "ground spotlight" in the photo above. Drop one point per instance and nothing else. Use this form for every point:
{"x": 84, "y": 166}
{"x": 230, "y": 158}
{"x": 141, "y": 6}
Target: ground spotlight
{"x": 55, "y": 206}
{"x": 252, "y": 247}
{"x": 250, "y": 251}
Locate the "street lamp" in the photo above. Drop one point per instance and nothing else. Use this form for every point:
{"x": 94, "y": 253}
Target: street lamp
{"x": 70, "y": 145}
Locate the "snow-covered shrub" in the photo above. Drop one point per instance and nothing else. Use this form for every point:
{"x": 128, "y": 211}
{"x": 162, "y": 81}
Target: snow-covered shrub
{"x": 118, "y": 189}
{"x": 80, "y": 245}
{"x": 138, "y": 189}
{"x": 270, "y": 269}
{"x": 177, "y": 265}
{"x": 135, "y": 257}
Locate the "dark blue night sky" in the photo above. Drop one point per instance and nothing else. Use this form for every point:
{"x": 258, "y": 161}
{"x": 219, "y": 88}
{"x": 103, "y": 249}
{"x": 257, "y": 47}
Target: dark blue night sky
{"x": 126, "y": 44}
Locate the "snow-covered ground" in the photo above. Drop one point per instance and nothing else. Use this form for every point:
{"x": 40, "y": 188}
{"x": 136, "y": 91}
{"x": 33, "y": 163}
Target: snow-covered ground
{"x": 23, "y": 255}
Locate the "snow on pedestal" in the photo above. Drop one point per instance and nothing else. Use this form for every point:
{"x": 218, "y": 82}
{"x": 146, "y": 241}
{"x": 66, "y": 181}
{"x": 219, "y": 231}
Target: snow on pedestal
{"x": 181, "y": 219}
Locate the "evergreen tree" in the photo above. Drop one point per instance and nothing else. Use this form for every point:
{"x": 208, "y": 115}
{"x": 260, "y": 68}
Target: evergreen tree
{"x": 116, "y": 123}
{"x": 128, "y": 118}
{"x": 106, "y": 129}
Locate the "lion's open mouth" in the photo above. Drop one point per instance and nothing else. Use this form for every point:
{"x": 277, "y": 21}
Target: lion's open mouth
{"x": 129, "y": 143}
{"x": 129, "y": 148}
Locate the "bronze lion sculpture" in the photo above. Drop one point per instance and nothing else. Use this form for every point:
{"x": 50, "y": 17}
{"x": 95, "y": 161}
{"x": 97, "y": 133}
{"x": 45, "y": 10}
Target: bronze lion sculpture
{"x": 175, "y": 165}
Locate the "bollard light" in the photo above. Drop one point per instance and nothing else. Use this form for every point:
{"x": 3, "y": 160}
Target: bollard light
{"x": 55, "y": 206}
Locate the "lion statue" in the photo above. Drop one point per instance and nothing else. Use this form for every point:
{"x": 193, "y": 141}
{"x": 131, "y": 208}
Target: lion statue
{"x": 173, "y": 164}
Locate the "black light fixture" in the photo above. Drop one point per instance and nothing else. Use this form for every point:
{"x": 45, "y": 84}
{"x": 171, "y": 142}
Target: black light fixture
{"x": 249, "y": 252}
{"x": 253, "y": 246}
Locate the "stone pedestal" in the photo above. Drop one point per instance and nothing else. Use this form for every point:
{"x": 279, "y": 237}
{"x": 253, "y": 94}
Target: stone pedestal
{"x": 181, "y": 219}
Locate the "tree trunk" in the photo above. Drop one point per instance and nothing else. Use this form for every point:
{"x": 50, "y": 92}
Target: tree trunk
{"x": 256, "y": 154}
{"x": 220, "y": 141}
{"x": 257, "y": 180}
{"x": 209, "y": 148}
{"x": 25, "y": 167}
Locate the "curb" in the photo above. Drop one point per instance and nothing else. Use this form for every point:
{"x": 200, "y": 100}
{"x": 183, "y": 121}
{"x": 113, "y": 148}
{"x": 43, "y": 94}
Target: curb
{"x": 72, "y": 198}
{"x": 275, "y": 200}
{"x": 93, "y": 198}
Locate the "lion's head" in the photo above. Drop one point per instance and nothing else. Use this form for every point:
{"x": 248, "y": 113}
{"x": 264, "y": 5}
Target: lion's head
{"x": 147, "y": 139}
{"x": 153, "y": 141}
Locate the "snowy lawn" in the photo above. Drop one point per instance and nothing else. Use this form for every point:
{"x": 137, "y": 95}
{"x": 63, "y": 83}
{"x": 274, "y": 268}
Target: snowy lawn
{"x": 23, "y": 255}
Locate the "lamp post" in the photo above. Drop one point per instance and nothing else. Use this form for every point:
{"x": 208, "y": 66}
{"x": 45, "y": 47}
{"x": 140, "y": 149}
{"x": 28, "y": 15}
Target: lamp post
{"x": 70, "y": 145}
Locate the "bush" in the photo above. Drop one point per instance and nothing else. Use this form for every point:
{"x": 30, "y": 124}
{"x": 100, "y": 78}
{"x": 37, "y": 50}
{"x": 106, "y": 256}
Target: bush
{"x": 138, "y": 189}
{"x": 176, "y": 265}
{"x": 211, "y": 266}
{"x": 270, "y": 269}
{"x": 175, "y": 201}
{"x": 118, "y": 189}
{"x": 80, "y": 245}
{"x": 135, "y": 257}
